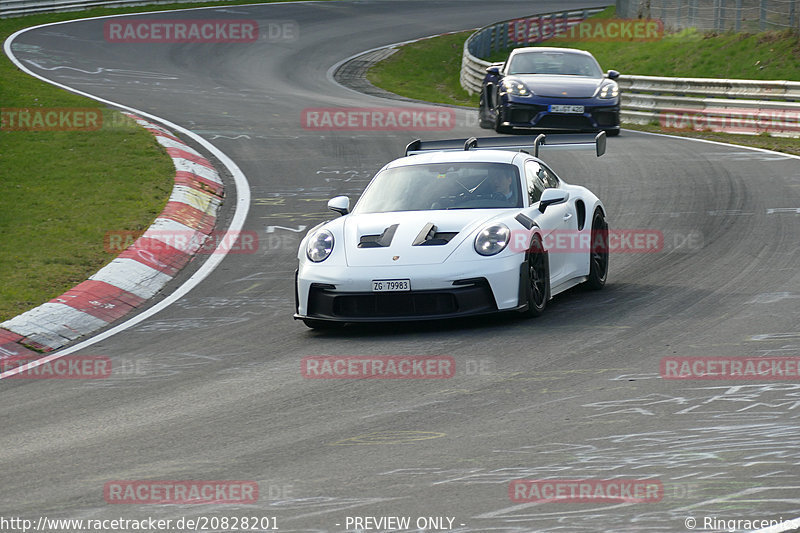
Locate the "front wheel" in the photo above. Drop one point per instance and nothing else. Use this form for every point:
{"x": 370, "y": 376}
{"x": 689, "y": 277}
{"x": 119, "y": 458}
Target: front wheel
{"x": 485, "y": 119}
{"x": 537, "y": 289}
{"x": 598, "y": 255}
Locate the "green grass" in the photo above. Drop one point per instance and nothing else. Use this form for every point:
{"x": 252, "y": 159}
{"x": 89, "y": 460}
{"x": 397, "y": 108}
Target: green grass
{"x": 425, "y": 70}
{"x": 773, "y": 55}
{"x": 62, "y": 191}
{"x": 429, "y": 70}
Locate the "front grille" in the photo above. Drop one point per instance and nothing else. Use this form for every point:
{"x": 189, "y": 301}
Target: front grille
{"x": 470, "y": 298}
{"x": 606, "y": 118}
{"x": 521, "y": 116}
{"x": 395, "y": 304}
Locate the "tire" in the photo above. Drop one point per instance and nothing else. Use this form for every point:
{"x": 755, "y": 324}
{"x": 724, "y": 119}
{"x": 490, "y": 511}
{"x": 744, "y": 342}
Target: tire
{"x": 485, "y": 120}
{"x": 322, "y": 324}
{"x": 537, "y": 290}
{"x": 612, "y": 133}
{"x": 598, "y": 255}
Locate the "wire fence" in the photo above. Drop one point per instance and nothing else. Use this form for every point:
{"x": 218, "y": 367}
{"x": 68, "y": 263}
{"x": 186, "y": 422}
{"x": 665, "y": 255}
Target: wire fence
{"x": 716, "y": 15}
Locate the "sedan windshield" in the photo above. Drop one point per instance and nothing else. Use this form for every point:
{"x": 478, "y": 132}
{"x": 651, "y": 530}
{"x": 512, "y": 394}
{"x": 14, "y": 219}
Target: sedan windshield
{"x": 561, "y": 63}
{"x": 442, "y": 186}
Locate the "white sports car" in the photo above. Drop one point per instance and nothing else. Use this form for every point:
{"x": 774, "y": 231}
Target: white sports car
{"x": 456, "y": 228}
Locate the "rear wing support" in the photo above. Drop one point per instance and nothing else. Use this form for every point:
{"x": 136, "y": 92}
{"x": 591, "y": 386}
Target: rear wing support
{"x": 516, "y": 143}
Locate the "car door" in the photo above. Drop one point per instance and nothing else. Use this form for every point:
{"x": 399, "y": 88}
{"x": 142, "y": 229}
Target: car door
{"x": 572, "y": 250}
{"x": 555, "y": 222}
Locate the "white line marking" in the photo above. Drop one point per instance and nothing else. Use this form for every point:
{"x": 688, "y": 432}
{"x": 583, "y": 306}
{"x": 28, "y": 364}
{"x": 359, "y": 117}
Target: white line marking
{"x": 240, "y": 214}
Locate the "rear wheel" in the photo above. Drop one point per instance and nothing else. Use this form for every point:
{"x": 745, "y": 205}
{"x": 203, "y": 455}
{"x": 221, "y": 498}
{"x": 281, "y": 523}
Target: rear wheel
{"x": 598, "y": 255}
{"x": 538, "y": 287}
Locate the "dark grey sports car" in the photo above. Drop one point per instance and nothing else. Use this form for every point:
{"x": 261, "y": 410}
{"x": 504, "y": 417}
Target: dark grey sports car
{"x": 550, "y": 89}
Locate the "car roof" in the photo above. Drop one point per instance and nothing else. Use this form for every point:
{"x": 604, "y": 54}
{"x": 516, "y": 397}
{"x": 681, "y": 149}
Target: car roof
{"x": 460, "y": 156}
{"x": 532, "y": 49}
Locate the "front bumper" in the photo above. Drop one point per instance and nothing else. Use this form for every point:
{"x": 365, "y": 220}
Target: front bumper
{"x": 535, "y": 115}
{"x": 344, "y": 294}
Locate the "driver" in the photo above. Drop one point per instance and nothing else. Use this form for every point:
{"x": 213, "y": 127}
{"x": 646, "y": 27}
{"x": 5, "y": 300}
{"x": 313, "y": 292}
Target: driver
{"x": 500, "y": 183}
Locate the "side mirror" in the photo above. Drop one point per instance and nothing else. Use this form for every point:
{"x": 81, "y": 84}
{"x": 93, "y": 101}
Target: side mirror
{"x": 612, "y": 75}
{"x": 340, "y": 204}
{"x": 494, "y": 70}
{"x": 552, "y": 196}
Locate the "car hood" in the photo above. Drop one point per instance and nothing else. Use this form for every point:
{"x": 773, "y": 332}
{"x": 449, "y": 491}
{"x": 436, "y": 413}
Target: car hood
{"x": 395, "y": 234}
{"x": 560, "y": 86}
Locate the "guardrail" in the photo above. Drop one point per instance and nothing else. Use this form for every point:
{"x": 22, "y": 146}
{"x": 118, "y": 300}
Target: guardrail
{"x": 501, "y": 35}
{"x": 17, "y": 8}
{"x": 738, "y": 106}
{"x": 745, "y": 106}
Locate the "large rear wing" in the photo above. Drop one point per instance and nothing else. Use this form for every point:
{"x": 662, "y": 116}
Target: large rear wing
{"x": 531, "y": 144}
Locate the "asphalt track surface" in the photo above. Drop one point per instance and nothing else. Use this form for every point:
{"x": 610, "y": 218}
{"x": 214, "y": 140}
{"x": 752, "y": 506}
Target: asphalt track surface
{"x": 210, "y": 388}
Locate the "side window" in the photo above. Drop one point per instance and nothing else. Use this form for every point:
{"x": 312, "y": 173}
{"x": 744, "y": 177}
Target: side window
{"x": 535, "y": 183}
{"x": 549, "y": 177}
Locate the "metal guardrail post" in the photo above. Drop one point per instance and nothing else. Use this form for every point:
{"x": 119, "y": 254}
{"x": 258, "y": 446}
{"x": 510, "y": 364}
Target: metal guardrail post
{"x": 762, "y": 17}
{"x": 738, "y": 26}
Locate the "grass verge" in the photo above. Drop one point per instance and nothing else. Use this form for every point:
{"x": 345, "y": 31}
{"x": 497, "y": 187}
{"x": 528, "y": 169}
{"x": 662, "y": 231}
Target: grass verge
{"x": 426, "y": 70}
{"x": 63, "y": 190}
{"x": 429, "y": 70}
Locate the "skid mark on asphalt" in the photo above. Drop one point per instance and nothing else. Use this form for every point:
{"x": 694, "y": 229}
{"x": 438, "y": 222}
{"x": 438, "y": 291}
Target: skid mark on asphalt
{"x": 388, "y": 437}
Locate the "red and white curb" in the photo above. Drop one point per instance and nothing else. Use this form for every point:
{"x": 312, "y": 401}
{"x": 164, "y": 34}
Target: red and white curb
{"x": 137, "y": 273}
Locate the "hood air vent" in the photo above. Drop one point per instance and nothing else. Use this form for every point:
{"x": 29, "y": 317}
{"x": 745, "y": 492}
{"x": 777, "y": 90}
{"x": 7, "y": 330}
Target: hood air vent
{"x": 428, "y": 236}
{"x": 379, "y": 241}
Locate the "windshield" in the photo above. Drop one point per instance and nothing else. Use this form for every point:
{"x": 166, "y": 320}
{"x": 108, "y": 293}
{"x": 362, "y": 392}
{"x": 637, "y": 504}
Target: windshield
{"x": 562, "y": 63}
{"x": 442, "y": 186}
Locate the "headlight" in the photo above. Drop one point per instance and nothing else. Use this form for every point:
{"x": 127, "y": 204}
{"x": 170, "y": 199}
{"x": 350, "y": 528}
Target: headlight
{"x": 319, "y": 246}
{"x": 609, "y": 90}
{"x": 517, "y": 88}
{"x": 492, "y": 239}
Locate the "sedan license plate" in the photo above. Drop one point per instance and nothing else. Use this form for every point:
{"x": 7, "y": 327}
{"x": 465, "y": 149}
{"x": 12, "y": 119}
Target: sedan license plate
{"x": 555, "y": 108}
{"x": 391, "y": 285}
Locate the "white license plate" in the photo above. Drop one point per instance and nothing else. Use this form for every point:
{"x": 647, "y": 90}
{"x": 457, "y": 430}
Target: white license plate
{"x": 390, "y": 285}
{"x": 566, "y": 109}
